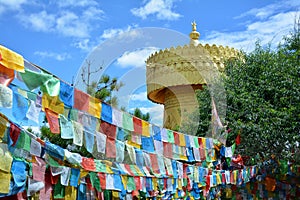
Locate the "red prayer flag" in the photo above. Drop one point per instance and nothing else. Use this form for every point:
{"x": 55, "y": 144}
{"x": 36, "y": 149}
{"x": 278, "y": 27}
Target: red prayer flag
{"x": 208, "y": 182}
{"x": 81, "y": 100}
{"x": 137, "y": 125}
{"x": 176, "y": 138}
{"x": 168, "y": 149}
{"x": 137, "y": 182}
{"x": 6, "y": 75}
{"x": 110, "y": 148}
{"x": 200, "y": 142}
{"x": 88, "y": 164}
{"x": 52, "y": 119}
{"x": 165, "y": 183}
{"x": 102, "y": 178}
{"x": 14, "y": 133}
{"x": 108, "y": 129}
{"x": 223, "y": 178}
{"x": 89, "y": 185}
{"x": 127, "y": 167}
{"x": 54, "y": 179}
{"x": 154, "y": 162}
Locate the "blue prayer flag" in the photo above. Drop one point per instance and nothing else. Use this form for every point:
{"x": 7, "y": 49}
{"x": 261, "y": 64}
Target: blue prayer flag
{"x": 106, "y": 113}
{"x": 147, "y": 144}
{"x": 156, "y": 133}
{"x": 74, "y": 177}
{"x": 66, "y": 94}
{"x": 54, "y": 150}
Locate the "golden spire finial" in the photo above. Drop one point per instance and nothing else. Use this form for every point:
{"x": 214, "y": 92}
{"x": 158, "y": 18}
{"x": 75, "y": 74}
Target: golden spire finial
{"x": 194, "y": 35}
{"x": 194, "y": 26}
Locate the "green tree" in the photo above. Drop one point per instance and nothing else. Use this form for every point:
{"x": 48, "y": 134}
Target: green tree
{"x": 263, "y": 100}
{"x": 104, "y": 89}
{"x": 138, "y": 113}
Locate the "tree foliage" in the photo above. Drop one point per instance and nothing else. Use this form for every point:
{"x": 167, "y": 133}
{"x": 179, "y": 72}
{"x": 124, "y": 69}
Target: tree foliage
{"x": 138, "y": 113}
{"x": 263, "y": 100}
{"x": 104, "y": 89}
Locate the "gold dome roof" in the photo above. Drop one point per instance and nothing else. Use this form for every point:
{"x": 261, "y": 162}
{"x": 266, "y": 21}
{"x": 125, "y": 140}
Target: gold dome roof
{"x": 184, "y": 65}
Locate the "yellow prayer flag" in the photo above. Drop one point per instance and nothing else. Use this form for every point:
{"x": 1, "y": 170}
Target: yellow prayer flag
{"x": 95, "y": 107}
{"x": 109, "y": 170}
{"x": 11, "y": 59}
{"x": 5, "y": 182}
{"x": 133, "y": 144}
{"x": 145, "y": 128}
{"x": 3, "y": 123}
{"x": 176, "y": 196}
{"x": 124, "y": 181}
{"x": 140, "y": 173}
{"x": 219, "y": 181}
{"x": 180, "y": 184}
{"x": 154, "y": 183}
{"x": 115, "y": 194}
{"x": 182, "y": 140}
{"x": 203, "y": 142}
{"x": 83, "y": 173}
{"x": 70, "y": 193}
{"x": 183, "y": 157}
{"x": 52, "y": 103}
{"x": 5, "y": 158}
{"x": 235, "y": 174}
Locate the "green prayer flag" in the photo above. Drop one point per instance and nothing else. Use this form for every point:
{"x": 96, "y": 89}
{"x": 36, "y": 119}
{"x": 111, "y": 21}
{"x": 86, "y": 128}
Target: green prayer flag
{"x": 130, "y": 183}
{"x": 127, "y": 122}
{"x": 95, "y": 181}
{"x": 107, "y": 194}
{"x": 51, "y": 87}
{"x": 100, "y": 167}
{"x": 170, "y": 136}
{"x": 207, "y": 155}
{"x": 34, "y": 79}
{"x": 32, "y": 96}
{"x": 52, "y": 162}
{"x": 184, "y": 182}
{"x": 24, "y": 141}
{"x": 196, "y": 142}
{"x": 74, "y": 115}
{"x": 233, "y": 148}
{"x": 59, "y": 191}
{"x": 30, "y": 169}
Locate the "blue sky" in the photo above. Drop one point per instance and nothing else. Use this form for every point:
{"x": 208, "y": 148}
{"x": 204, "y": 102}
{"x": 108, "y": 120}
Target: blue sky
{"x": 60, "y": 35}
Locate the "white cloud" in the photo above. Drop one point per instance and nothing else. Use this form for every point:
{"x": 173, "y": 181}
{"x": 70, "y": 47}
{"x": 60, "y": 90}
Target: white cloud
{"x": 162, "y": 9}
{"x": 41, "y": 21}
{"x": 76, "y": 3}
{"x": 138, "y": 97}
{"x": 56, "y": 56}
{"x": 92, "y": 13}
{"x": 9, "y": 5}
{"x": 271, "y": 9}
{"x": 135, "y": 58}
{"x": 270, "y": 30}
{"x": 84, "y": 44}
{"x": 69, "y": 24}
{"x": 114, "y": 32}
{"x": 69, "y": 18}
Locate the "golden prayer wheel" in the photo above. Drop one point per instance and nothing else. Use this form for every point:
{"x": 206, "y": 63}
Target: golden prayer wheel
{"x": 173, "y": 75}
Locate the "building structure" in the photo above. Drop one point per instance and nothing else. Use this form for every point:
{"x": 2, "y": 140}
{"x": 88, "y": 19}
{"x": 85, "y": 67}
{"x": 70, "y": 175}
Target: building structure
{"x": 173, "y": 75}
